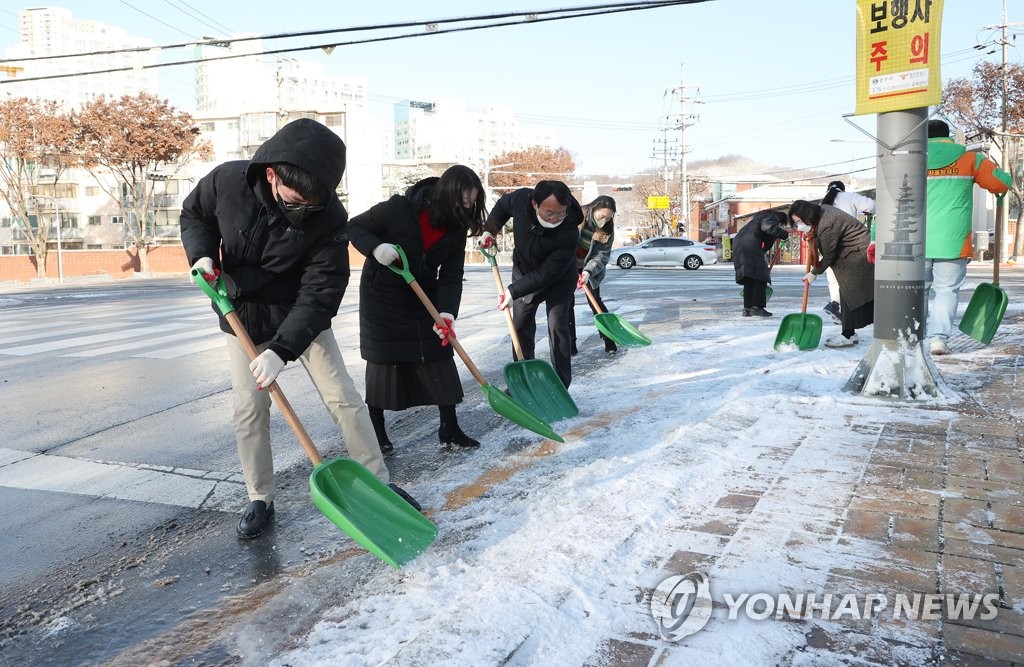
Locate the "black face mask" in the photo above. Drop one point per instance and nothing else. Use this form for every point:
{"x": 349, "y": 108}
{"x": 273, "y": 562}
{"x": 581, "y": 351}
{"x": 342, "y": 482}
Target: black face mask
{"x": 297, "y": 213}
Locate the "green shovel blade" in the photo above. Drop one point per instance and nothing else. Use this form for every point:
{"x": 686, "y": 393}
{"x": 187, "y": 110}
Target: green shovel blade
{"x": 508, "y": 408}
{"x": 768, "y": 291}
{"x": 984, "y": 313}
{"x": 800, "y": 329}
{"x": 620, "y": 331}
{"x": 369, "y": 511}
{"x": 534, "y": 383}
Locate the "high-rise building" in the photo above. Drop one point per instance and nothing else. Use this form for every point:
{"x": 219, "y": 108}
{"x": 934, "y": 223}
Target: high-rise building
{"x": 444, "y": 131}
{"x": 270, "y": 83}
{"x": 52, "y": 31}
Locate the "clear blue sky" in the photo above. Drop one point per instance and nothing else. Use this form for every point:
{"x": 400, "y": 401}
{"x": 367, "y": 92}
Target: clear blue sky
{"x": 774, "y": 78}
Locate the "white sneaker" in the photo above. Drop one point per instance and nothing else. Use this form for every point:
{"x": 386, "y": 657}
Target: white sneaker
{"x": 938, "y": 347}
{"x": 841, "y": 341}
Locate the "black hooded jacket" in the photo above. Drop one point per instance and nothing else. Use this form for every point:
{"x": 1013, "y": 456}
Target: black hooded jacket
{"x": 394, "y": 326}
{"x": 753, "y": 241}
{"x": 285, "y": 281}
{"x": 544, "y": 260}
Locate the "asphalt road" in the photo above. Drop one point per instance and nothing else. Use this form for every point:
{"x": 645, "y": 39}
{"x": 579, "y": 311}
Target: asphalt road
{"x": 121, "y": 485}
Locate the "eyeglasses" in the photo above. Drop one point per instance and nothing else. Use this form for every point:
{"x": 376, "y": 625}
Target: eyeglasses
{"x": 308, "y": 208}
{"x": 551, "y": 216}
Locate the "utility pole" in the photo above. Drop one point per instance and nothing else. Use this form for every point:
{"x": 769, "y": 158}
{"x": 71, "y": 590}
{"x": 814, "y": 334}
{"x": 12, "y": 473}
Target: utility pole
{"x": 684, "y": 122}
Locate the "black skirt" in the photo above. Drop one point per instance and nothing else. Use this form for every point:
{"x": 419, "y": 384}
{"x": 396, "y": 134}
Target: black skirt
{"x": 856, "y": 318}
{"x": 405, "y": 385}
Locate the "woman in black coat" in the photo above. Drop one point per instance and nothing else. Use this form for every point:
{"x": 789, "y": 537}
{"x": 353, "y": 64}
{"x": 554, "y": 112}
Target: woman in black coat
{"x": 408, "y": 359}
{"x": 749, "y": 247}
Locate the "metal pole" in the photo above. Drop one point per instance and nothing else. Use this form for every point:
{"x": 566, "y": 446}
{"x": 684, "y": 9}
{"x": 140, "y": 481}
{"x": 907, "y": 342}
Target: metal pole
{"x": 60, "y": 257}
{"x": 896, "y": 365}
{"x": 684, "y": 194}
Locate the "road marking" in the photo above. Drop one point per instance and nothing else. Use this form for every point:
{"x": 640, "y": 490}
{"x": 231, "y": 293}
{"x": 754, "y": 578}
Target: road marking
{"x": 178, "y": 487}
{"x": 183, "y": 350}
{"x": 149, "y": 342}
{"x": 65, "y": 343}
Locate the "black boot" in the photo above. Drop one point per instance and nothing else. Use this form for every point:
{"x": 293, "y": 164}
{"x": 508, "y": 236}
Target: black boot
{"x": 255, "y": 519}
{"x": 377, "y": 419}
{"x": 609, "y": 346}
{"x": 406, "y": 497}
{"x": 449, "y": 432}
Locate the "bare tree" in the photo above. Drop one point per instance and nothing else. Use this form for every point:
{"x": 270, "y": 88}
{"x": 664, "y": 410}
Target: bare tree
{"x": 34, "y": 135}
{"x": 134, "y": 139}
{"x": 976, "y": 106}
{"x": 524, "y": 168}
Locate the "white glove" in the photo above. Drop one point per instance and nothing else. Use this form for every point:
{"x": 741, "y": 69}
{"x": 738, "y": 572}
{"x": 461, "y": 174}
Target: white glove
{"x": 583, "y": 280}
{"x": 265, "y": 368}
{"x": 809, "y": 278}
{"x": 204, "y": 264}
{"x": 486, "y": 240}
{"x": 386, "y": 254}
{"x": 445, "y": 331}
{"x": 505, "y": 300}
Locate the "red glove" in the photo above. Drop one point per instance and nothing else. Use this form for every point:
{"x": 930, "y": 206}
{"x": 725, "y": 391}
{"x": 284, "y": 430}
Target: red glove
{"x": 871, "y": 252}
{"x": 444, "y": 332}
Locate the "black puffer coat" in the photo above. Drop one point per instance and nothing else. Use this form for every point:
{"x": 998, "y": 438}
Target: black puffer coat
{"x": 286, "y": 282}
{"x": 544, "y": 260}
{"x": 393, "y": 325}
{"x": 753, "y": 241}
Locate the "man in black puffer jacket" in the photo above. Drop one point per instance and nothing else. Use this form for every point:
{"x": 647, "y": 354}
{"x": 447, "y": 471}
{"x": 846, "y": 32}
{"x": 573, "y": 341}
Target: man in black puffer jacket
{"x": 277, "y": 231}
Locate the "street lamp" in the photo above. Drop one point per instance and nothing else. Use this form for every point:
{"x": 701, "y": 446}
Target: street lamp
{"x": 60, "y": 258}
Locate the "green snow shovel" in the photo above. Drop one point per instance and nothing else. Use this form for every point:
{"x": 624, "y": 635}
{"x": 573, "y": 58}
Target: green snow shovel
{"x": 501, "y": 402}
{"x": 532, "y": 382}
{"x": 802, "y": 330}
{"x": 348, "y": 494}
{"x": 985, "y": 312}
{"x": 614, "y": 327}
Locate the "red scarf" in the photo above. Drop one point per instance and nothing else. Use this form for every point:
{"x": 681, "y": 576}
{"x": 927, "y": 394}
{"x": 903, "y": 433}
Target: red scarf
{"x": 431, "y": 234}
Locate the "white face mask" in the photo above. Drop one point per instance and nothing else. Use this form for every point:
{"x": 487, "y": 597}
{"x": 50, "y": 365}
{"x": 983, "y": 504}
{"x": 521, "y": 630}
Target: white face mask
{"x": 547, "y": 225}
{"x": 802, "y": 227}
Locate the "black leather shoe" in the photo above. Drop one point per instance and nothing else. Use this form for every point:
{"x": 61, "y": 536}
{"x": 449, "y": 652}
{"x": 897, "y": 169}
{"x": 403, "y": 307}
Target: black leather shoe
{"x": 386, "y": 448}
{"x": 406, "y": 497}
{"x": 609, "y": 346}
{"x": 759, "y": 312}
{"x": 255, "y": 519}
{"x": 746, "y": 312}
{"x": 450, "y": 436}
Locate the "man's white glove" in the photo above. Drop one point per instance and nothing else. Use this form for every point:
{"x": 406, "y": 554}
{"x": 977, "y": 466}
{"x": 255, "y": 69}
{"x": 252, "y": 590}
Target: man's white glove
{"x": 386, "y": 254}
{"x": 809, "y": 278}
{"x": 584, "y": 279}
{"x": 265, "y": 368}
{"x": 204, "y": 264}
{"x": 505, "y": 300}
{"x": 444, "y": 332}
{"x": 486, "y": 240}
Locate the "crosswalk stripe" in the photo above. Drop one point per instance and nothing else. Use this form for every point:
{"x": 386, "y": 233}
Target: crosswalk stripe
{"x": 182, "y": 350}
{"x": 149, "y": 342}
{"x": 61, "y": 474}
{"x": 58, "y": 330}
{"x": 65, "y": 343}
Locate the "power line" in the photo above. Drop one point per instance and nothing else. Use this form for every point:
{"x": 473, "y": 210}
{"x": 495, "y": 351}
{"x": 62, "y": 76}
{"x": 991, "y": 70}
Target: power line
{"x": 431, "y": 26}
{"x": 172, "y": 27}
{"x": 218, "y": 26}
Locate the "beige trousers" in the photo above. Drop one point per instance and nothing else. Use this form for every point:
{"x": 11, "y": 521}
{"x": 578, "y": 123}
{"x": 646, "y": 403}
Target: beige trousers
{"x": 325, "y": 366}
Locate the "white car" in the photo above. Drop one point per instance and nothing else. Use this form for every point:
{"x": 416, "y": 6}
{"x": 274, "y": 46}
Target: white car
{"x": 665, "y": 251}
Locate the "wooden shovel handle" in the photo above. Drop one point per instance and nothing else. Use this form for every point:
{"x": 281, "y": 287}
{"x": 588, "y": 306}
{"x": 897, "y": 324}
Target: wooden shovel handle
{"x": 807, "y": 287}
{"x": 591, "y": 298}
{"x": 508, "y": 313}
{"x": 275, "y": 392}
{"x": 451, "y": 339}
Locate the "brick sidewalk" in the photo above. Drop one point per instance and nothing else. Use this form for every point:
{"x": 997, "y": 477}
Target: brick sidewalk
{"x": 938, "y": 509}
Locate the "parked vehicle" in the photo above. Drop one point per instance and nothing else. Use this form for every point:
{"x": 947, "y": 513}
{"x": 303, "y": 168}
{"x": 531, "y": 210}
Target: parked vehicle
{"x": 665, "y": 251}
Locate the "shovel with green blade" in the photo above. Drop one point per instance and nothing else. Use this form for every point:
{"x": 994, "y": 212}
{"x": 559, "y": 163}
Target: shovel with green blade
{"x": 802, "y": 330}
{"x": 985, "y": 312}
{"x": 348, "y": 494}
{"x": 614, "y": 327}
{"x": 500, "y": 402}
{"x": 532, "y": 382}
